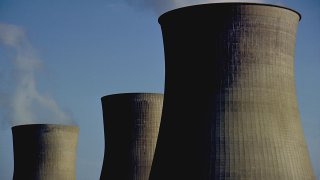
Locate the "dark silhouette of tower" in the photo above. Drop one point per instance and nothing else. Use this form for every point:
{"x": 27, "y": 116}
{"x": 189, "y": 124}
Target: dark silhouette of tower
{"x": 45, "y": 152}
{"x": 131, "y": 125}
{"x": 230, "y": 108}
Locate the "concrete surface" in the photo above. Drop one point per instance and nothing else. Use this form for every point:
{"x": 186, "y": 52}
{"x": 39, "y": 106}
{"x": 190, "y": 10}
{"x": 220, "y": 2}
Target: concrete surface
{"x": 45, "y": 152}
{"x": 230, "y": 109}
{"x": 131, "y": 125}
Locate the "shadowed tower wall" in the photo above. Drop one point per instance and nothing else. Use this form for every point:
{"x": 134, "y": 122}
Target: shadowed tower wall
{"x": 45, "y": 152}
{"x": 230, "y": 108}
{"x": 131, "y": 125}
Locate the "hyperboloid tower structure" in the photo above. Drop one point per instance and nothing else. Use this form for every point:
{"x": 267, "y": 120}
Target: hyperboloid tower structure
{"x": 131, "y": 125}
{"x": 45, "y": 152}
{"x": 230, "y": 109}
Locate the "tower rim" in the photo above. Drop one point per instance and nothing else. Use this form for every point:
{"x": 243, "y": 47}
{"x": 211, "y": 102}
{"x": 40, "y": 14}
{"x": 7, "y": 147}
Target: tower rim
{"x": 130, "y": 94}
{"x": 164, "y": 15}
{"x": 45, "y": 125}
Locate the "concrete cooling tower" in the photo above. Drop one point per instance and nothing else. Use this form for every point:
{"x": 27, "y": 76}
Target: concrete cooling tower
{"x": 230, "y": 109}
{"x": 131, "y": 125}
{"x": 44, "y": 152}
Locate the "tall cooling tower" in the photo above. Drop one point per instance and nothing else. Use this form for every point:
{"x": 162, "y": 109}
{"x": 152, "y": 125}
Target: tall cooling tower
{"x": 44, "y": 152}
{"x": 230, "y": 108}
{"x": 131, "y": 125}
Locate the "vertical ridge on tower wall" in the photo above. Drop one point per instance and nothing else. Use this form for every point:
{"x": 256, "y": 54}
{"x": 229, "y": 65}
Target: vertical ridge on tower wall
{"x": 230, "y": 109}
{"x": 131, "y": 125}
{"x": 45, "y": 151}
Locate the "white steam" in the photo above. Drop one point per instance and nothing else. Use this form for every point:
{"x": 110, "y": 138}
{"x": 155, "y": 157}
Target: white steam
{"x": 161, "y": 6}
{"x": 22, "y": 101}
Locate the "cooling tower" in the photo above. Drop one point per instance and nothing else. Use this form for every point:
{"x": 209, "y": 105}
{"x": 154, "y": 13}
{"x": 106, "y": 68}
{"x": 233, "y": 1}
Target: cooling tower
{"x": 230, "y": 109}
{"x": 44, "y": 152}
{"x": 131, "y": 125}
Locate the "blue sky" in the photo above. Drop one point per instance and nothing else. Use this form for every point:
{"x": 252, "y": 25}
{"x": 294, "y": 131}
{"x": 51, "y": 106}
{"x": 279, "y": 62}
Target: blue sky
{"x": 88, "y": 49}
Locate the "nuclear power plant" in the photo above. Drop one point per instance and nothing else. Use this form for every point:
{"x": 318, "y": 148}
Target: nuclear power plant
{"x": 131, "y": 125}
{"x": 44, "y": 152}
{"x": 230, "y": 109}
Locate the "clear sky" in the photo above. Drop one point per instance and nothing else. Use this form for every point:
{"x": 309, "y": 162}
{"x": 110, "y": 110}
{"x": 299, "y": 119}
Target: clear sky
{"x": 80, "y": 50}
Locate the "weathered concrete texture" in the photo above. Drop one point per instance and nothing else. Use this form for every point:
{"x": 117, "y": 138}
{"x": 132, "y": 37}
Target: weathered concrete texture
{"x": 44, "y": 152}
{"x": 131, "y": 125}
{"x": 230, "y": 108}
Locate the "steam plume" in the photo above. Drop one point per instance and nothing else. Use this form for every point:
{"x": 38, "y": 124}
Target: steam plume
{"x": 22, "y": 101}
